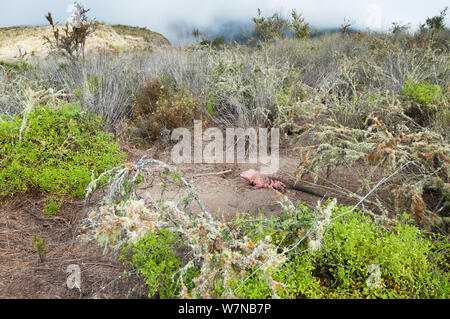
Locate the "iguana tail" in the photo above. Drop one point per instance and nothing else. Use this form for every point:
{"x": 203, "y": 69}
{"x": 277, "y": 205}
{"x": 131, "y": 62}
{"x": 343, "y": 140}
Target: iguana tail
{"x": 300, "y": 188}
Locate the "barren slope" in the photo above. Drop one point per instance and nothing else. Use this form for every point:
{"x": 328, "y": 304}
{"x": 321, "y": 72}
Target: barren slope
{"x": 107, "y": 37}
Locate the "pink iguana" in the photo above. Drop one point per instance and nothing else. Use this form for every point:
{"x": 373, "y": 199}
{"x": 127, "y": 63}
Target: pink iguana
{"x": 262, "y": 180}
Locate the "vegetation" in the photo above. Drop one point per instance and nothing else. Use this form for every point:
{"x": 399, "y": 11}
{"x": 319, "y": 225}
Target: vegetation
{"x": 370, "y": 102}
{"x": 436, "y": 23}
{"x": 275, "y": 26}
{"x": 357, "y": 259}
{"x": 423, "y": 98}
{"x": 71, "y": 40}
{"x": 39, "y": 246}
{"x": 54, "y": 150}
{"x": 154, "y": 256}
{"x": 156, "y": 112}
{"x": 52, "y": 207}
{"x": 330, "y": 252}
{"x": 217, "y": 43}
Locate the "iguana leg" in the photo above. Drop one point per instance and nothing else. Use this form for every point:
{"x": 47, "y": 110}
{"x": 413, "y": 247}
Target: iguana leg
{"x": 278, "y": 185}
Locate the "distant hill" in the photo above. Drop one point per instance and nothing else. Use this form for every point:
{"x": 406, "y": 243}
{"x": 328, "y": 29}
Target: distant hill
{"x": 106, "y": 37}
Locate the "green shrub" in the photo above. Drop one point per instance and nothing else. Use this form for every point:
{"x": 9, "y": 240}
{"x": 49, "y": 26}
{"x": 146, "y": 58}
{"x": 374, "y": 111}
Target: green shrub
{"x": 254, "y": 288}
{"x": 52, "y": 207}
{"x": 435, "y": 23}
{"x": 59, "y": 151}
{"x": 421, "y": 98}
{"x": 300, "y": 278}
{"x": 276, "y": 26}
{"x": 354, "y": 251}
{"x": 300, "y": 27}
{"x": 218, "y": 42}
{"x": 19, "y": 66}
{"x": 270, "y": 28}
{"x": 154, "y": 257}
{"x": 424, "y": 94}
{"x": 205, "y": 43}
{"x": 157, "y": 111}
{"x": 354, "y": 248}
{"x": 39, "y": 246}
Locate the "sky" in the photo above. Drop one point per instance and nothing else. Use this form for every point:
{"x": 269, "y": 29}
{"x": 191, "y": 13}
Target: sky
{"x": 173, "y": 18}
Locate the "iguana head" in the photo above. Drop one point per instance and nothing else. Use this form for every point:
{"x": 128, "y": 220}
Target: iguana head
{"x": 249, "y": 175}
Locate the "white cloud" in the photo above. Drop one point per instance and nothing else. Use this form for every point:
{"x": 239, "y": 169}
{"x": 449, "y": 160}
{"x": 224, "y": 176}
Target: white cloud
{"x": 160, "y": 16}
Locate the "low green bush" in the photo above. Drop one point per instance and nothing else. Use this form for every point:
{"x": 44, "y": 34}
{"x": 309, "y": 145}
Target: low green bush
{"x": 57, "y": 151}
{"x": 357, "y": 259}
{"x": 52, "y": 207}
{"x": 422, "y": 98}
{"x": 355, "y": 249}
{"x": 422, "y": 93}
{"x": 360, "y": 259}
{"x": 19, "y": 66}
{"x": 39, "y": 246}
{"x": 154, "y": 257}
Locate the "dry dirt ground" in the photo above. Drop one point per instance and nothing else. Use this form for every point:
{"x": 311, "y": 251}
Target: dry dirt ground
{"x": 23, "y": 275}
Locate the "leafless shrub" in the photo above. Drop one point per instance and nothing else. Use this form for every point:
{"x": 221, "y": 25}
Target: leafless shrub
{"x": 70, "y": 40}
{"x": 345, "y": 27}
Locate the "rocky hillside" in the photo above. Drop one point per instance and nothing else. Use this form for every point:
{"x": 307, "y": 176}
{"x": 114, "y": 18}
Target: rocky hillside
{"x": 15, "y": 41}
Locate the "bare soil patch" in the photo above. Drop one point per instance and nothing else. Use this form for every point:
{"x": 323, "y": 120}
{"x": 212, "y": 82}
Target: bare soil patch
{"x": 22, "y": 275}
